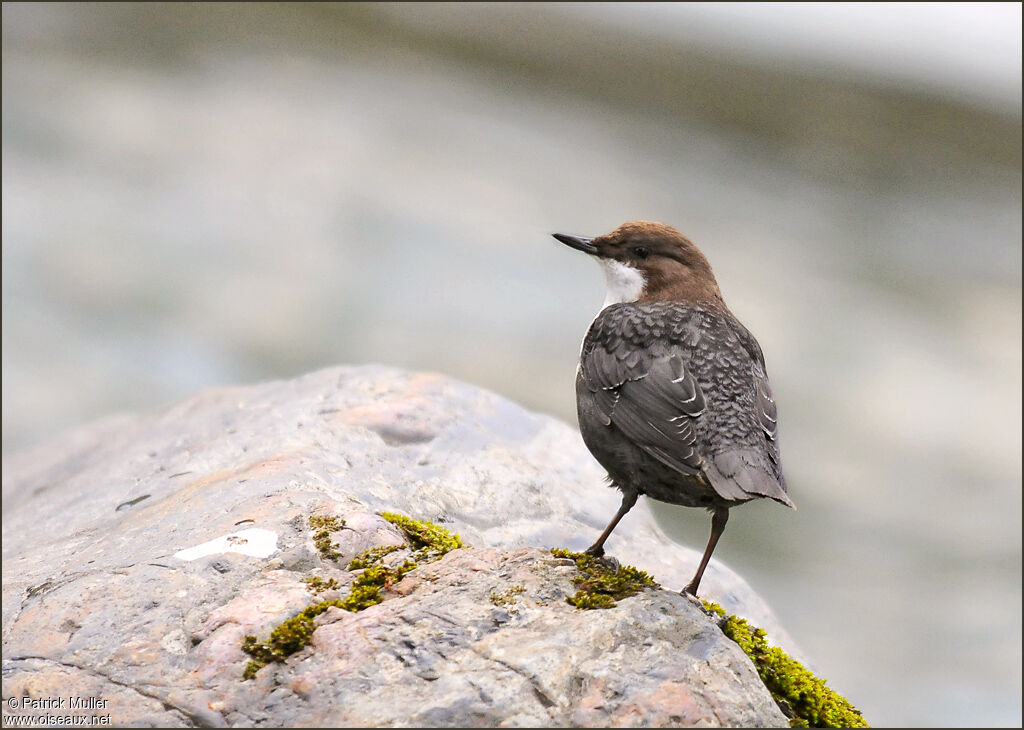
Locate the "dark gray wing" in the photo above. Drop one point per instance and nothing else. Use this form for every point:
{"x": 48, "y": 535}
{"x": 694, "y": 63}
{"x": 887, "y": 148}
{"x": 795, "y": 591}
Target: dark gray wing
{"x": 644, "y": 388}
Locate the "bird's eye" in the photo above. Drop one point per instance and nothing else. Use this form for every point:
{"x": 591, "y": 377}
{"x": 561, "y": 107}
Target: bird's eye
{"x": 641, "y": 252}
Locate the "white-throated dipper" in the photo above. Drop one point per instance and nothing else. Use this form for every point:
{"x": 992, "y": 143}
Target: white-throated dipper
{"x": 671, "y": 392}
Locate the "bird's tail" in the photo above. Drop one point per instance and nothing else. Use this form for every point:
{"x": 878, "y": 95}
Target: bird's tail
{"x": 739, "y": 476}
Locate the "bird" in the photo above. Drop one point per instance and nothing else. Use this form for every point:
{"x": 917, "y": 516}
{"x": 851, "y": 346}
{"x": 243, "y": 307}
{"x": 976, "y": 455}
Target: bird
{"x": 672, "y": 394}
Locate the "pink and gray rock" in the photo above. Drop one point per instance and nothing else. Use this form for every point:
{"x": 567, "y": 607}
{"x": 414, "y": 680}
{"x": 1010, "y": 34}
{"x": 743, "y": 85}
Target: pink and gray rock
{"x": 138, "y": 551}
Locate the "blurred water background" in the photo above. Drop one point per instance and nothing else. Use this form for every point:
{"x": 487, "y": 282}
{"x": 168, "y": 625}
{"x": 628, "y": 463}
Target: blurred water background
{"x": 201, "y": 194}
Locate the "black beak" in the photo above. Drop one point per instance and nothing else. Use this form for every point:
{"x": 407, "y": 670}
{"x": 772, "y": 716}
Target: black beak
{"x": 586, "y": 245}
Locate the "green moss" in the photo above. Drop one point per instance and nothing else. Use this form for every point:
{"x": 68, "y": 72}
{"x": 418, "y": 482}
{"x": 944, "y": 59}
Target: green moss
{"x": 252, "y": 667}
{"x": 430, "y": 541}
{"x": 372, "y": 556}
{"x": 599, "y": 586}
{"x": 284, "y": 640}
{"x": 324, "y": 526}
{"x": 296, "y": 633}
{"x": 366, "y": 589}
{"x": 805, "y": 698}
{"x": 507, "y": 598}
{"x": 319, "y": 585}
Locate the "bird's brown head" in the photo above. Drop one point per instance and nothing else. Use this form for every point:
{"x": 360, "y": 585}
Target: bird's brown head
{"x": 649, "y": 262}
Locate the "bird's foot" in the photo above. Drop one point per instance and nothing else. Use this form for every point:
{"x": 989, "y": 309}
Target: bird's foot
{"x": 692, "y": 598}
{"x": 606, "y": 561}
{"x": 609, "y": 563}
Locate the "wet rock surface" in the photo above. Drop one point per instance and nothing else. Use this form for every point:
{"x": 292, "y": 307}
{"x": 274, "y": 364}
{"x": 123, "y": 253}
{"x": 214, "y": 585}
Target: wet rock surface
{"x": 140, "y": 551}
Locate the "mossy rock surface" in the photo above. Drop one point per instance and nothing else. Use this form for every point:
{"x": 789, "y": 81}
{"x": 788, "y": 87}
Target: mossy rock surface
{"x": 430, "y": 543}
{"x": 324, "y": 525}
{"x": 805, "y": 698}
{"x": 600, "y": 584}
{"x": 350, "y": 443}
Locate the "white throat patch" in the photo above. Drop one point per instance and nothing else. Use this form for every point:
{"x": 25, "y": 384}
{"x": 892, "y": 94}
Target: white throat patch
{"x": 623, "y": 283}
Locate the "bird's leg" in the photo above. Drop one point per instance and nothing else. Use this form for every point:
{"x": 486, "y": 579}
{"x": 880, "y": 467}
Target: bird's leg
{"x": 628, "y": 500}
{"x": 718, "y": 520}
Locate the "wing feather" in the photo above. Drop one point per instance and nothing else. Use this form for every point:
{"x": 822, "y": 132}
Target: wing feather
{"x": 652, "y": 397}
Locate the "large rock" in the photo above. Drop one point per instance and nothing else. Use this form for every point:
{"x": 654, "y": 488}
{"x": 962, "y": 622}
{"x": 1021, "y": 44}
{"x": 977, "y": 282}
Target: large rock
{"x": 138, "y": 552}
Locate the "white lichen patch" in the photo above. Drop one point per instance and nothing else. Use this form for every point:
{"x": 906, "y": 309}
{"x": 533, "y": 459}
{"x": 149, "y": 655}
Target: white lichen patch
{"x": 255, "y": 541}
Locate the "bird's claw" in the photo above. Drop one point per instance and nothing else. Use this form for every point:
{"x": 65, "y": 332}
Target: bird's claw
{"x": 692, "y": 598}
